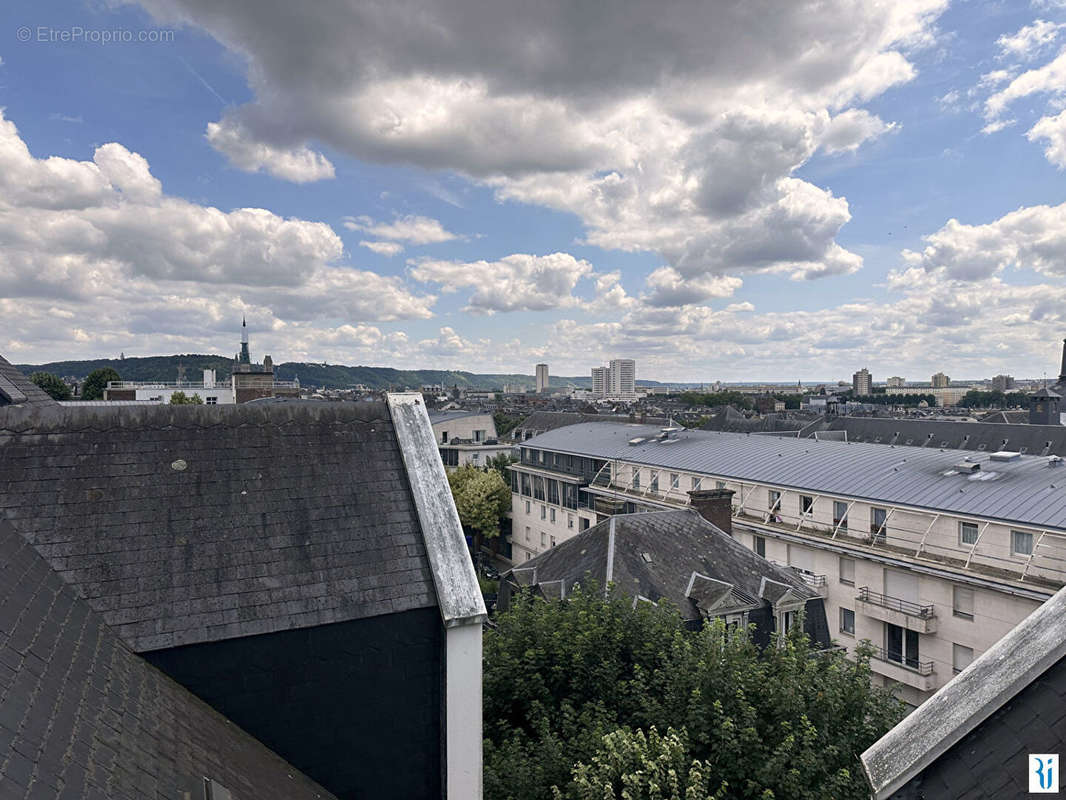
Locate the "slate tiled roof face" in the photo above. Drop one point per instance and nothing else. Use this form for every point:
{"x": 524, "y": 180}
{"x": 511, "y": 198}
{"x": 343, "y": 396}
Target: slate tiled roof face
{"x": 678, "y": 543}
{"x": 1025, "y": 490}
{"x": 25, "y": 392}
{"x": 185, "y": 524}
{"x": 82, "y": 716}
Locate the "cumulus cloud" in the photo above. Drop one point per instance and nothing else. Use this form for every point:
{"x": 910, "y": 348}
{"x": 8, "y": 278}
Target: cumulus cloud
{"x": 675, "y": 130}
{"x": 1029, "y": 41}
{"x": 1049, "y": 78}
{"x": 383, "y": 248}
{"x": 411, "y": 229}
{"x": 1053, "y": 131}
{"x": 101, "y": 240}
{"x": 298, "y": 163}
{"x": 517, "y": 282}
{"x": 1033, "y": 237}
{"x": 846, "y": 131}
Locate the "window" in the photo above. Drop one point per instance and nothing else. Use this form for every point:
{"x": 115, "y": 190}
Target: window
{"x": 527, "y": 506}
{"x": 636, "y": 477}
{"x": 529, "y": 556}
{"x": 1021, "y": 543}
{"x": 962, "y": 602}
{"x": 654, "y": 483}
{"x": 543, "y": 539}
{"x": 552, "y": 515}
{"x": 444, "y": 437}
{"x": 675, "y": 480}
{"x": 719, "y": 484}
{"x": 540, "y": 456}
{"x": 570, "y": 520}
{"x": 584, "y": 524}
{"x": 775, "y": 500}
{"x": 553, "y": 541}
{"x": 696, "y": 484}
{"x": 527, "y": 533}
{"x": 847, "y": 571}
{"x": 211, "y": 401}
{"x": 479, "y": 436}
{"x": 840, "y": 515}
{"x": 759, "y": 545}
{"x": 806, "y": 505}
{"x": 968, "y": 533}
{"x": 553, "y": 491}
{"x": 901, "y": 645}
{"x": 961, "y": 656}
{"x": 543, "y": 512}
{"x": 538, "y": 487}
{"x": 847, "y": 621}
{"x": 878, "y": 518}
{"x": 527, "y": 484}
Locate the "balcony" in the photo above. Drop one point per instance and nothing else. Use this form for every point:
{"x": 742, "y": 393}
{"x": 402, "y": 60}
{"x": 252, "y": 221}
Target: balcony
{"x": 905, "y": 614}
{"x": 912, "y": 672}
{"x": 815, "y": 582}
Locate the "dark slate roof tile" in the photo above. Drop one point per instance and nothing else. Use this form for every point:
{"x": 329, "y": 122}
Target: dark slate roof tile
{"x": 279, "y": 509}
{"x": 82, "y": 716}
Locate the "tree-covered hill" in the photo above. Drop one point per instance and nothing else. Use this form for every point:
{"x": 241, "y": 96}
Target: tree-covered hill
{"x": 335, "y": 376}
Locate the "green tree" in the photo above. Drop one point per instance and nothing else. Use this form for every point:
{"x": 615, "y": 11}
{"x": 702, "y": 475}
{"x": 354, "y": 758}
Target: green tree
{"x": 482, "y": 498}
{"x": 51, "y": 385}
{"x": 96, "y": 382}
{"x": 784, "y": 722}
{"x": 505, "y": 423}
{"x": 179, "y": 398}
{"x": 500, "y": 463}
{"x": 633, "y": 766}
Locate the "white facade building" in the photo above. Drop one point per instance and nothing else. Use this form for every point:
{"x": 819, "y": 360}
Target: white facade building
{"x": 931, "y": 555}
{"x": 542, "y": 378}
{"x": 601, "y": 379}
{"x": 862, "y": 383}
{"x": 623, "y": 377}
{"x": 466, "y": 437}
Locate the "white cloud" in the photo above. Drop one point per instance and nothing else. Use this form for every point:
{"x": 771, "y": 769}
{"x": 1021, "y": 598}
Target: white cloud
{"x": 383, "y": 248}
{"x": 675, "y": 130}
{"x": 1053, "y": 131}
{"x": 100, "y": 240}
{"x": 411, "y": 229}
{"x": 517, "y": 282}
{"x": 298, "y": 163}
{"x": 848, "y": 130}
{"x": 1050, "y": 78}
{"x": 1033, "y": 237}
{"x": 1029, "y": 41}
{"x": 997, "y": 125}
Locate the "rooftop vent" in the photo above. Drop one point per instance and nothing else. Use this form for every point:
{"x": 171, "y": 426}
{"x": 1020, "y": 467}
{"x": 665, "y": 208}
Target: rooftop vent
{"x": 1005, "y": 455}
{"x": 967, "y": 466}
{"x": 636, "y": 440}
{"x": 1054, "y": 461}
{"x": 646, "y": 556}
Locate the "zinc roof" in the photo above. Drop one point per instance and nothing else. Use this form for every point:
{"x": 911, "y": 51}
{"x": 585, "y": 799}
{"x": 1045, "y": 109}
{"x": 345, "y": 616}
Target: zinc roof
{"x": 1025, "y": 490}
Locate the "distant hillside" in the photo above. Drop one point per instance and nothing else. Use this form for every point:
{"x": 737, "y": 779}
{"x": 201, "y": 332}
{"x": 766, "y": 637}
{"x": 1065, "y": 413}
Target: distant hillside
{"x": 334, "y": 376}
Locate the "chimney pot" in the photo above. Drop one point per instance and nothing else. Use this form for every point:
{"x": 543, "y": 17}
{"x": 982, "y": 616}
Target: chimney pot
{"x": 715, "y": 506}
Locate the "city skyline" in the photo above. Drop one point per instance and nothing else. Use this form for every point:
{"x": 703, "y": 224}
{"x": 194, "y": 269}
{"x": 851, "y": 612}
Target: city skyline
{"x": 894, "y": 199}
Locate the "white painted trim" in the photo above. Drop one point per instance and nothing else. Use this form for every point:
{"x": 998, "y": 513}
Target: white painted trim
{"x": 463, "y": 712}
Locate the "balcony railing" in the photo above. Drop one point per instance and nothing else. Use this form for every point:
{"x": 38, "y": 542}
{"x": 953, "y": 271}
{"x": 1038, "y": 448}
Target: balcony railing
{"x": 921, "y": 667}
{"x": 814, "y": 581}
{"x": 896, "y": 604}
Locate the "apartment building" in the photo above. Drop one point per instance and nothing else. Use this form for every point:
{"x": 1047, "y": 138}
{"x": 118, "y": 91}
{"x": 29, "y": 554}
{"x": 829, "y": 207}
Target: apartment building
{"x": 466, "y": 437}
{"x": 930, "y": 554}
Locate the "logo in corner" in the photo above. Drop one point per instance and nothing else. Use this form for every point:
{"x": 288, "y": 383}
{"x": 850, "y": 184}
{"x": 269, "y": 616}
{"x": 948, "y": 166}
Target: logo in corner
{"x": 1043, "y": 773}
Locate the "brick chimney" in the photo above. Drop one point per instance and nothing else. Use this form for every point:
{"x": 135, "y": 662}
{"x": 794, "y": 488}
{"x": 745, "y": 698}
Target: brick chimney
{"x": 715, "y": 506}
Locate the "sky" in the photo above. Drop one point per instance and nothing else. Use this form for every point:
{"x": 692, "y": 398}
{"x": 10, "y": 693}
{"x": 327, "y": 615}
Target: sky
{"x": 736, "y": 190}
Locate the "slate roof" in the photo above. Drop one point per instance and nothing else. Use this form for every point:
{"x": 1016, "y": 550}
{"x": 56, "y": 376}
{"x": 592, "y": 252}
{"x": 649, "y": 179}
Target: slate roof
{"x": 436, "y": 417}
{"x": 544, "y": 421}
{"x": 82, "y": 716}
{"x": 17, "y": 389}
{"x": 1026, "y": 490}
{"x": 185, "y": 524}
{"x": 678, "y": 543}
{"x": 972, "y": 436}
{"x": 1003, "y": 671}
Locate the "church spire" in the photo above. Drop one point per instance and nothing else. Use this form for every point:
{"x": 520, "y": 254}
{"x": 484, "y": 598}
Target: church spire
{"x": 1062, "y": 369}
{"x": 244, "y": 357}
